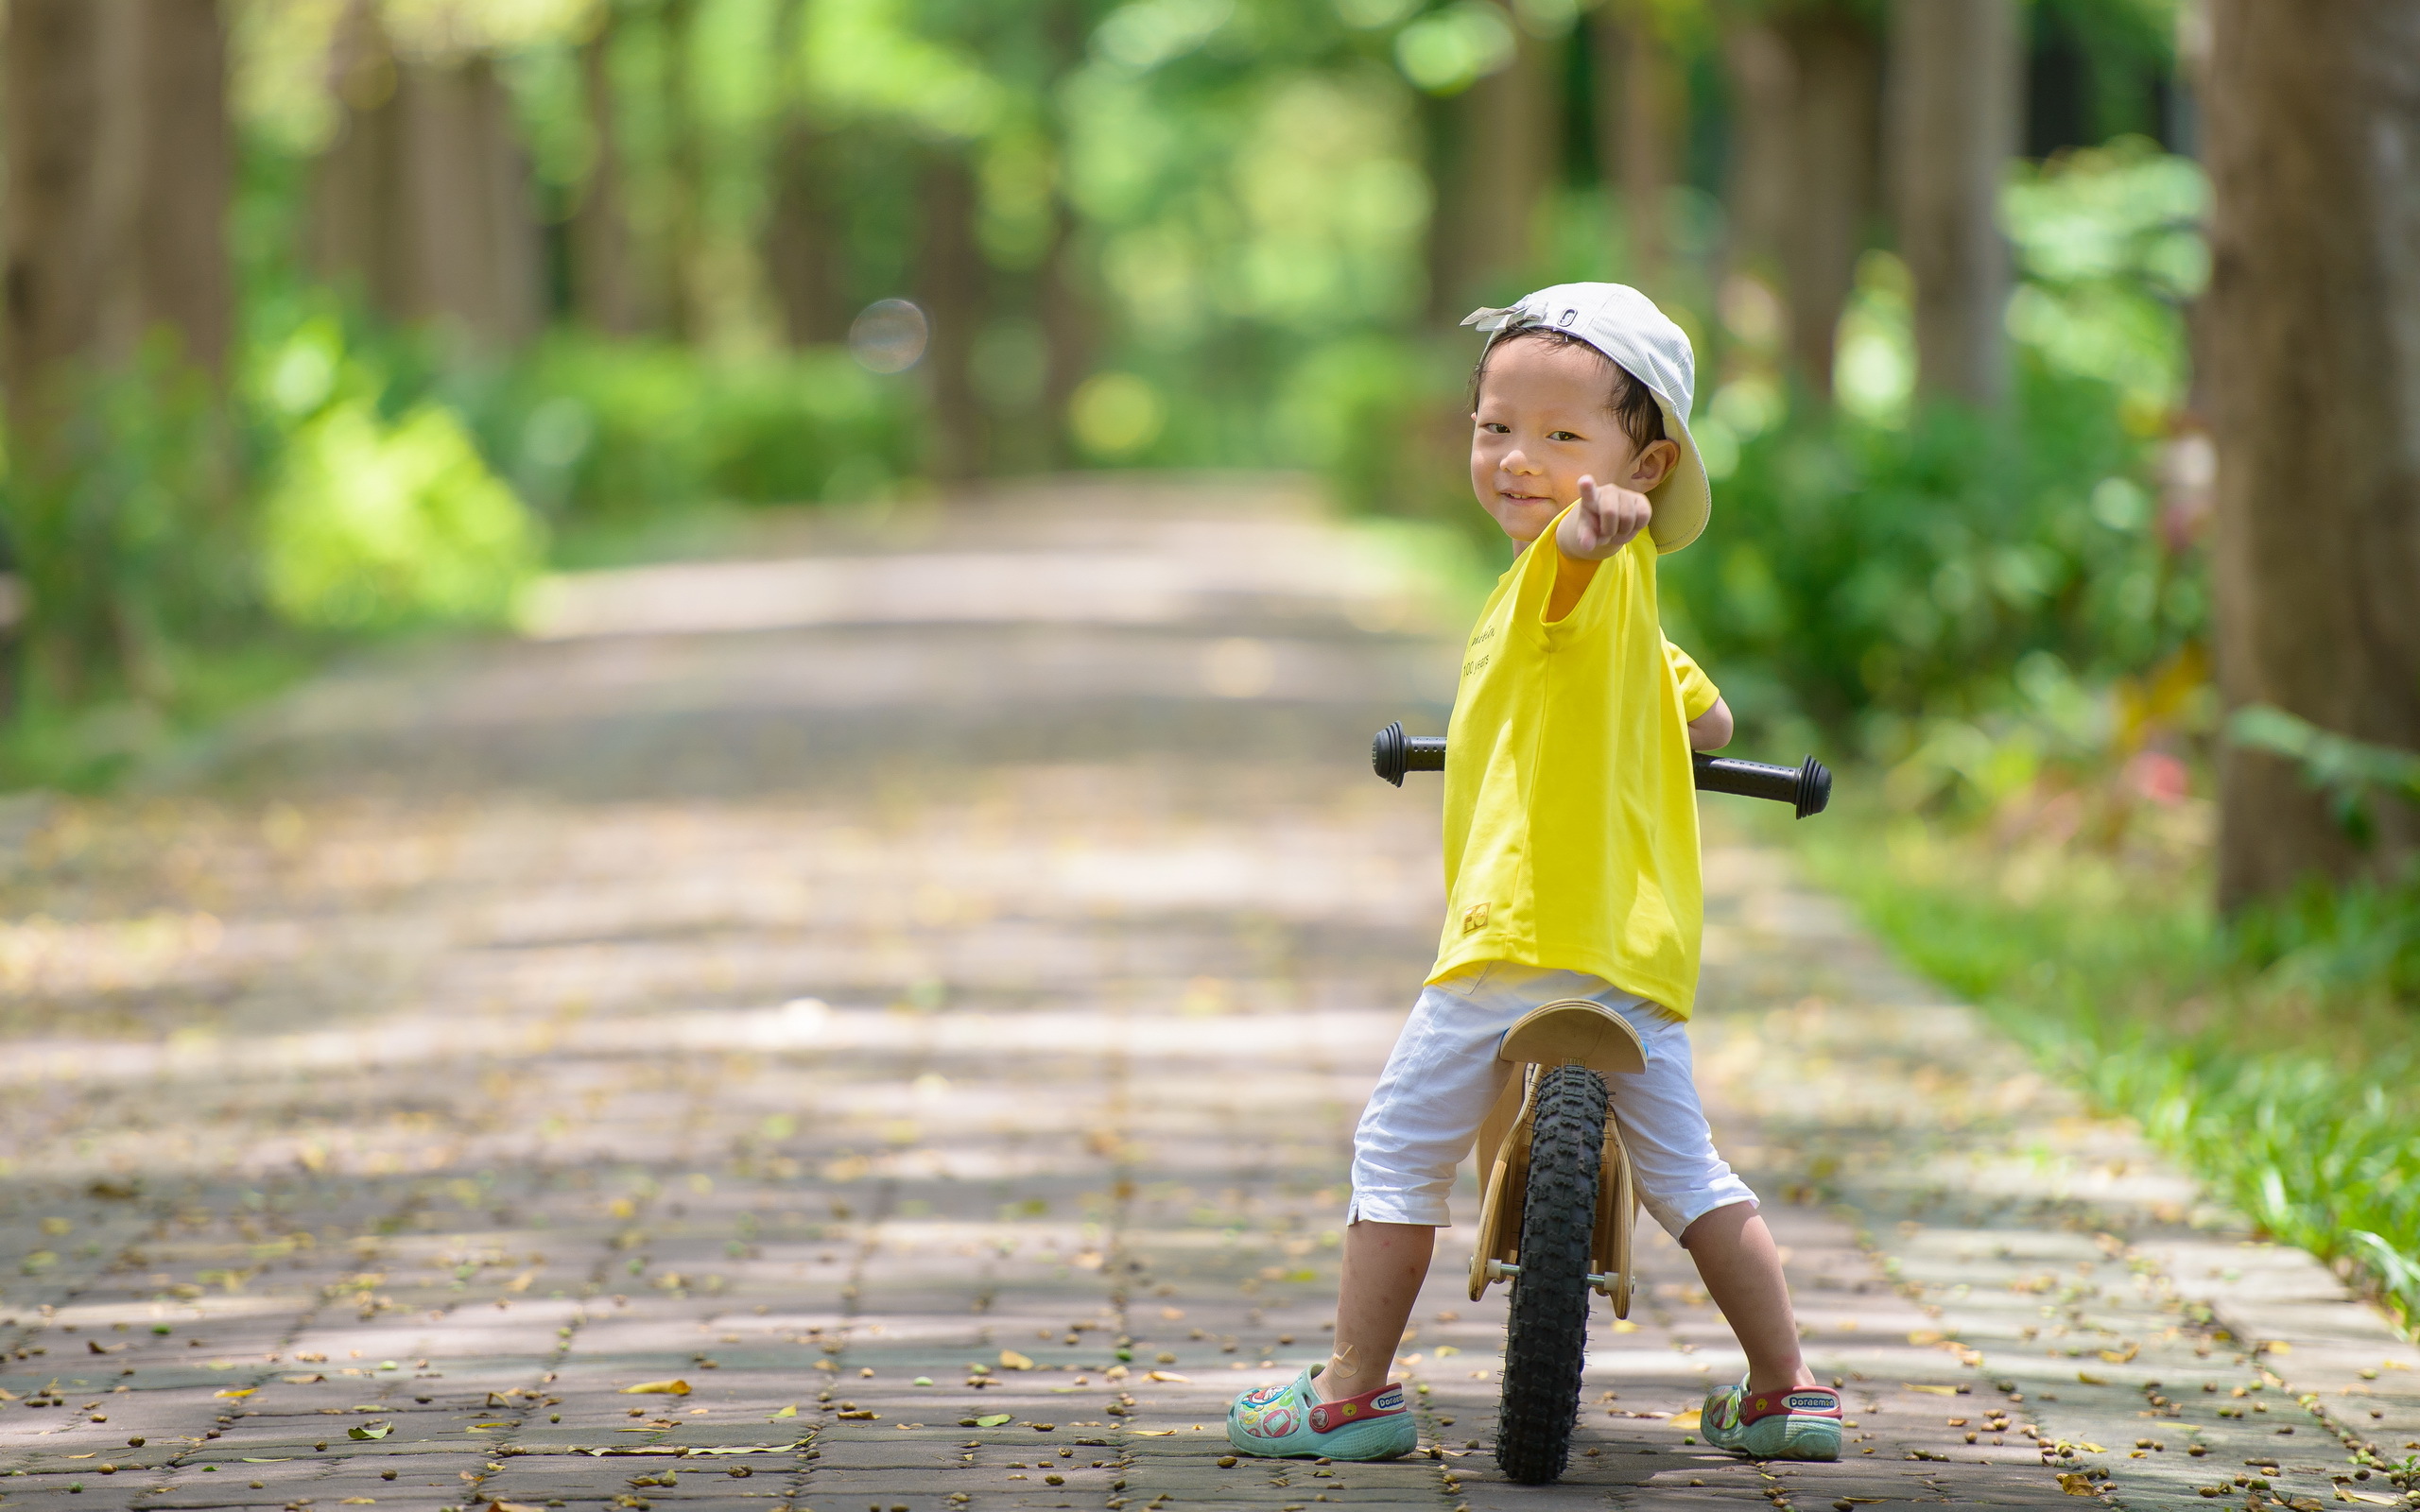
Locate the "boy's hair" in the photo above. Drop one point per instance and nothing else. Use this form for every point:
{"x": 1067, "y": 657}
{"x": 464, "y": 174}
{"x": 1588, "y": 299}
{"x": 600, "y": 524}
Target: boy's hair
{"x": 1630, "y": 402}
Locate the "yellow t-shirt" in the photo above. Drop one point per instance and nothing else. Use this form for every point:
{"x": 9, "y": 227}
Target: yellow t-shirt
{"x": 1571, "y": 815}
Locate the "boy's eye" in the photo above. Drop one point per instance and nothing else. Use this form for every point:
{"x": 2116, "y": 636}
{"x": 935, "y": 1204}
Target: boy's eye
{"x": 1497, "y": 427}
{"x": 1561, "y": 435}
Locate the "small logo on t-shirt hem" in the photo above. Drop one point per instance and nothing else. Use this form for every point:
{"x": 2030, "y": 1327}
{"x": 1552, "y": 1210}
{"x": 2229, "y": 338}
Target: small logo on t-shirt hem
{"x": 1475, "y": 918}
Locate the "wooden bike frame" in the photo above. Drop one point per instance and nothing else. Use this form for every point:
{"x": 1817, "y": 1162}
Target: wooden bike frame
{"x": 1570, "y": 1031}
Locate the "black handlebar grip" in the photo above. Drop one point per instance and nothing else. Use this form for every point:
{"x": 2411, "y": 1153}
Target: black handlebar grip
{"x": 1806, "y": 788}
{"x": 1393, "y": 753}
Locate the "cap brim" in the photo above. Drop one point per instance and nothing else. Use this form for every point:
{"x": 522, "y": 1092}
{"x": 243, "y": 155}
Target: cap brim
{"x": 1683, "y": 501}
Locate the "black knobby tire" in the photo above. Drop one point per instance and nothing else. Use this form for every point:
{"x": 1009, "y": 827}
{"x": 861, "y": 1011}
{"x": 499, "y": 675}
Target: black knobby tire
{"x": 1547, "y": 1340}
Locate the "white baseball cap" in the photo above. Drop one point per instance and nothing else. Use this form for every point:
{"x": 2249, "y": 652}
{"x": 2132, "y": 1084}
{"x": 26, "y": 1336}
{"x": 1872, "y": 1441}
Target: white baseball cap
{"x": 1627, "y": 327}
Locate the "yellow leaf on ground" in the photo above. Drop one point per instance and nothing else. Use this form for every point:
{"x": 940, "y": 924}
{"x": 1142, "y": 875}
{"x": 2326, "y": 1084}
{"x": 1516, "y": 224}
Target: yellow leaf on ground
{"x": 302, "y": 1380}
{"x": 513, "y": 1506}
{"x": 358, "y": 1500}
{"x": 1011, "y": 1360}
{"x": 2075, "y": 1484}
{"x": 1170, "y": 1375}
{"x": 1152, "y": 1433}
{"x": 239, "y": 1394}
{"x": 1686, "y": 1419}
{"x": 2343, "y": 1495}
{"x": 1938, "y": 1391}
{"x": 1623, "y": 1325}
{"x": 2122, "y": 1356}
{"x": 657, "y": 1389}
{"x": 1923, "y": 1336}
{"x": 2091, "y": 1379}
{"x": 791, "y": 1411}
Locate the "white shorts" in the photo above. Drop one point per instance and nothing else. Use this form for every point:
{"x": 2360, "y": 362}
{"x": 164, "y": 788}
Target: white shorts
{"x": 1444, "y": 1077}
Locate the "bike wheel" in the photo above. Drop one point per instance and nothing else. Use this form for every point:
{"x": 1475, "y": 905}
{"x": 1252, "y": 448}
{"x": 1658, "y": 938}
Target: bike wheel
{"x": 1547, "y": 1338}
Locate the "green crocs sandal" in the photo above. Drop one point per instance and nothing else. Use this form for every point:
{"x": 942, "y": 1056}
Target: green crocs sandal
{"x": 1800, "y": 1424}
{"x": 1290, "y": 1422}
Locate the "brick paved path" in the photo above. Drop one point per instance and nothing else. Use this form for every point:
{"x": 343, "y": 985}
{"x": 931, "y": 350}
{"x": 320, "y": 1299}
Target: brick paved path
{"x": 920, "y": 1004}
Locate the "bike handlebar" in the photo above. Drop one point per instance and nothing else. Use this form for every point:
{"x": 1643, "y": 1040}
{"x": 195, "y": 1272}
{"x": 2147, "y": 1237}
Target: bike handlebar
{"x": 1807, "y": 787}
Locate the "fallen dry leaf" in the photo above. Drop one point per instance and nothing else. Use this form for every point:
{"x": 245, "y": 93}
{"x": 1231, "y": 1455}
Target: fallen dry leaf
{"x": 239, "y": 1393}
{"x": 791, "y": 1411}
{"x": 1938, "y": 1391}
{"x": 303, "y": 1381}
{"x": 995, "y": 1420}
{"x": 2091, "y": 1379}
{"x": 1170, "y": 1375}
{"x": 513, "y": 1506}
{"x": 657, "y": 1389}
{"x": 2075, "y": 1484}
{"x": 1011, "y": 1360}
{"x": 368, "y": 1430}
{"x": 1686, "y": 1419}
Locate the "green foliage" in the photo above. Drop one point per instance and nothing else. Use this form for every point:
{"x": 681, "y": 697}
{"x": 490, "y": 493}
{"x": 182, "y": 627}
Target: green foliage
{"x": 2293, "y": 1097}
{"x": 116, "y": 519}
{"x": 1905, "y": 570}
{"x": 2352, "y": 773}
{"x": 375, "y": 525}
{"x": 593, "y": 431}
{"x": 2110, "y": 246}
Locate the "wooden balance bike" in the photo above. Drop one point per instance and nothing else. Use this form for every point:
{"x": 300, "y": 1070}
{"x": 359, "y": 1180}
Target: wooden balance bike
{"x": 1560, "y": 1199}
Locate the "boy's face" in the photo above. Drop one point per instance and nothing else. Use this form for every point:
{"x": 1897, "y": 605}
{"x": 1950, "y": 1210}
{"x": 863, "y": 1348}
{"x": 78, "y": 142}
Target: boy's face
{"x": 1541, "y": 424}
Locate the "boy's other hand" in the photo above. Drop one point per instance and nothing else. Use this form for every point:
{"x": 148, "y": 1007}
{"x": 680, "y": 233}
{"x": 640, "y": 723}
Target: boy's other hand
{"x": 1605, "y": 520}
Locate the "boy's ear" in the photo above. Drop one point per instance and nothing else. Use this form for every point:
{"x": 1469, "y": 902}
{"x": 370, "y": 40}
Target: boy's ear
{"x": 1654, "y": 464}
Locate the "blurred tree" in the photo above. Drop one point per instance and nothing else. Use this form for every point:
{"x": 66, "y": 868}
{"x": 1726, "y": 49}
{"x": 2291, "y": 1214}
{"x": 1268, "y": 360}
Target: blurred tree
{"x": 1493, "y": 149}
{"x": 604, "y": 284}
{"x": 2312, "y": 131}
{"x": 1638, "y": 125}
{"x": 1762, "y": 173}
{"x": 120, "y": 172}
{"x": 187, "y": 174}
{"x": 1954, "y": 128}
{"x": 423, "y": 197}
{"x": 807, "y": 236}
{"x": 952, "y": 283}
{"x": 679, "y": 261}
{"x": 1836, "y": 83}
{"x": 1805, "y": 81}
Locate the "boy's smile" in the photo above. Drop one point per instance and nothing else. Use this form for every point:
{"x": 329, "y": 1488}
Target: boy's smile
{"x": 1543, "y": 422}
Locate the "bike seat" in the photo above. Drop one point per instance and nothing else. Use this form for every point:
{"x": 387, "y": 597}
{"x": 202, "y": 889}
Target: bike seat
{"x": 1574, "y": 1031}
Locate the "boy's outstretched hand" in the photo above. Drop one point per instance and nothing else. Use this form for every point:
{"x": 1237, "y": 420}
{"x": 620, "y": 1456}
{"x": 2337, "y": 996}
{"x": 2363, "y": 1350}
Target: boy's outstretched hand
{"x": 1606, "y": 519}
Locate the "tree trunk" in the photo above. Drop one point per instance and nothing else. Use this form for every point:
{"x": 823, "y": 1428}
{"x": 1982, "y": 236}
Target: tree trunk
{"x": 1493, "y": 158}
{"x": 806, "y": 240}
{"x": 603, "y": 289}
{"x": 1764, "y": 144}
{"x": 1954, "y": 128}
{"x": 2313, "y": 341}
{"x": 1836, "y": 76}
{"x": 57, "y": 215}
{"x": 1639, "y": 129}
{"x": 951, "y": 279}
{"x": 425, "y": 196}
{"x": 686, "y": 166}
{"x": 60, "y": 245}
{"x": 1067, "y": 337}
{"x": 188, "y": 180}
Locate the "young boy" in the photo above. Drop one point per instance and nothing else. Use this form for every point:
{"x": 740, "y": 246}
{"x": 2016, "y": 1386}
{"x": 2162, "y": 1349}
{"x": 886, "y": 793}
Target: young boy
{"x": 1571, "y": 868}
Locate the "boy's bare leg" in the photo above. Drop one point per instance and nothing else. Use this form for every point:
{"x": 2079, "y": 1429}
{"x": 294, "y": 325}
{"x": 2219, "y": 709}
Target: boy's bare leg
{"x": 1741, "y": 1268}
{"x": 1384, "y": 1264}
